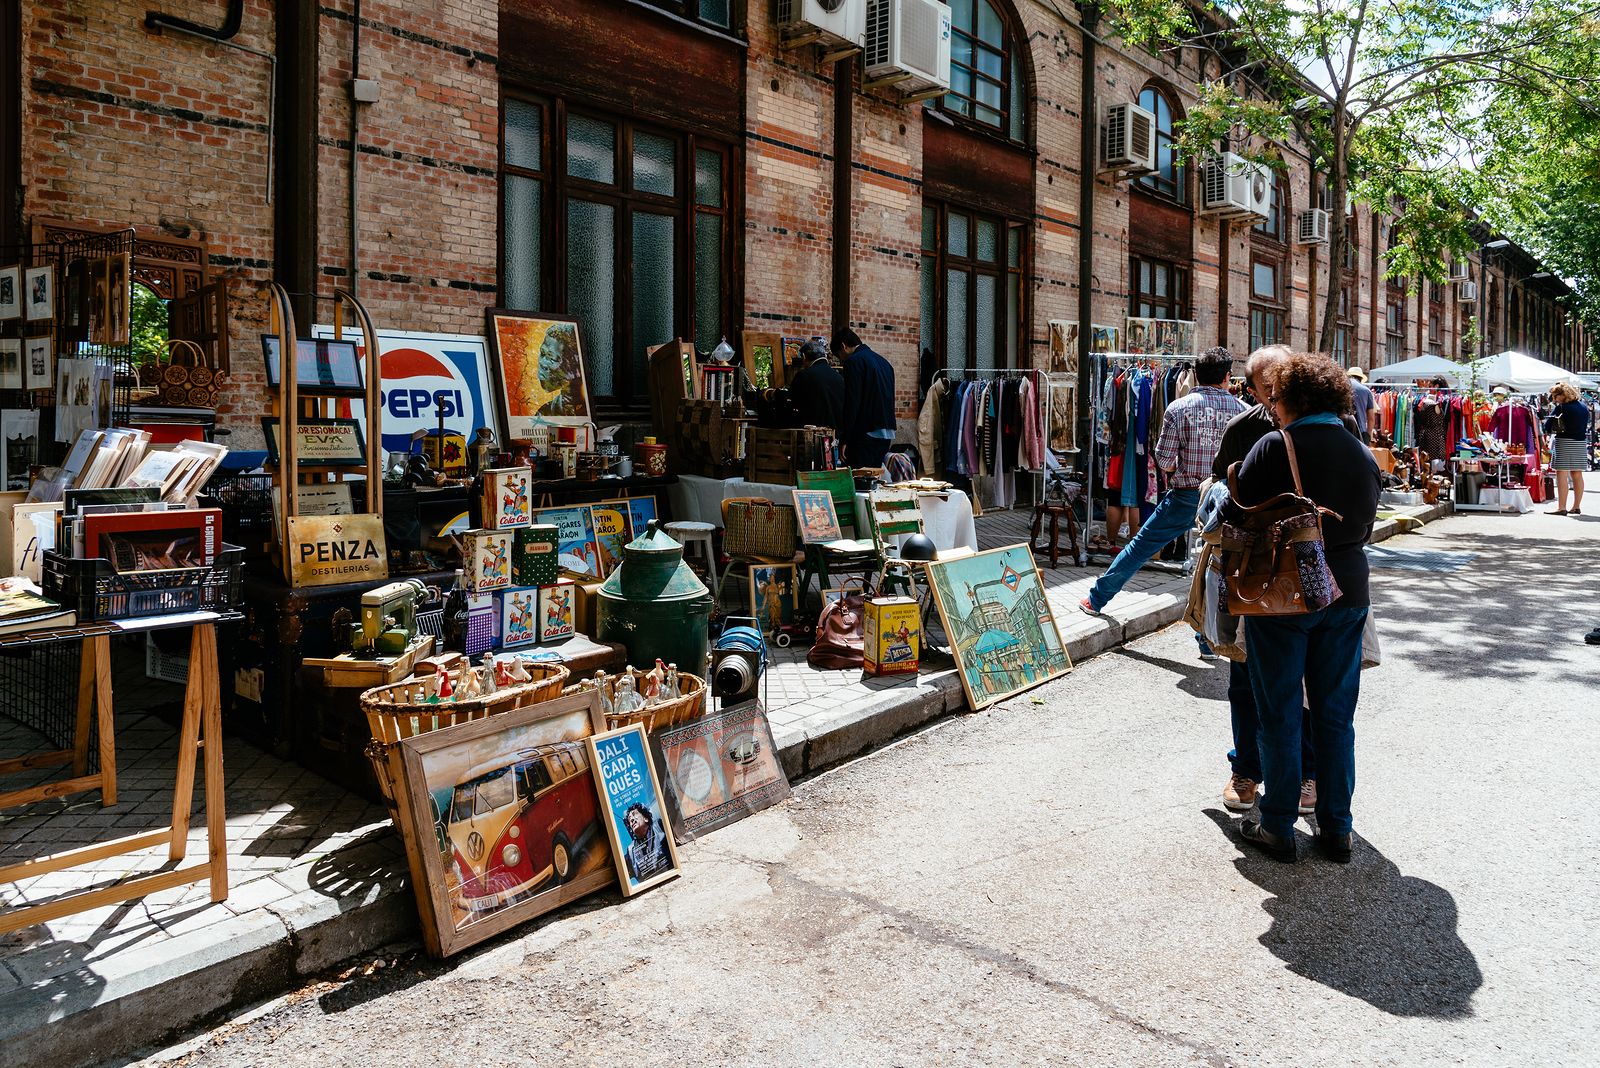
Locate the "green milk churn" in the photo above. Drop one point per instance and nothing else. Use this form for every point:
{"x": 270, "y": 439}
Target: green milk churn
{"x": 656, "y": 606}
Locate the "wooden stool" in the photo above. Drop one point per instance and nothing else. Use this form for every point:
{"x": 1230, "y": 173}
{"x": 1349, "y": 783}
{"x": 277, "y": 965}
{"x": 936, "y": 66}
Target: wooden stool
{"x": 1055, "y": 510}
{"x": 687, "y": 534}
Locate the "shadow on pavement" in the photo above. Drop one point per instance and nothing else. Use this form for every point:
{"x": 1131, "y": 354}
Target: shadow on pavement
{"x": 1364, "y": 929}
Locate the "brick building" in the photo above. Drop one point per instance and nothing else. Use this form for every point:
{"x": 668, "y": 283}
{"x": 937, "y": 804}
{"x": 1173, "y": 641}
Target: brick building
{"x": 662, "y": 168}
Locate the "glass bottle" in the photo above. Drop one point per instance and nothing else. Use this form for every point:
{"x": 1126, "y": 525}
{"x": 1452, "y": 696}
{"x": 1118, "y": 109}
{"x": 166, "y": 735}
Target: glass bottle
{"x": 606, "y": 704}
{"x": 628, "y": 699}
{"x": 455, "y": 615}
{"x": 669, "y": 689}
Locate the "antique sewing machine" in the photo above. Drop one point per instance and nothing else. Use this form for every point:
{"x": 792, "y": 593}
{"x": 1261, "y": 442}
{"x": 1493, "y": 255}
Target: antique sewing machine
{"x": 388, "y": 619}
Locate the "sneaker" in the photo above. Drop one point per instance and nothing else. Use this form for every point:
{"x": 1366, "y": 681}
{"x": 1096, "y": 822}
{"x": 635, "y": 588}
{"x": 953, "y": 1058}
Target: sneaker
{"x": 1240, "y": 793}
{"x": 1308, "y": 796}
{"x": 1087, "y": 607}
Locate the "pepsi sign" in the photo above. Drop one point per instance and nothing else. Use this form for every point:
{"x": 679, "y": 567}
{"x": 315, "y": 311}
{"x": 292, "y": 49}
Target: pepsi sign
{"x": 425, "y": 375}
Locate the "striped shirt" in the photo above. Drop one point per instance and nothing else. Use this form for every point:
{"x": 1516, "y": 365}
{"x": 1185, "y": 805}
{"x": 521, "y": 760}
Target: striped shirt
{"x": 1191, "y": 434}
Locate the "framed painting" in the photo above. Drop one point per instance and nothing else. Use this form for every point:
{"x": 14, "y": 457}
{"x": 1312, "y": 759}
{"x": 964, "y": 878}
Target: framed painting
{"x": 610, "y": 532}
{"x": 819, "y": 522}
{"x": 718, "y": 769}
{"x": 119, "y": 299}
{"x": 538, "y": 371}
{"x": 39, "y": 293}
{"x": 10, "y": 363}
{"x": 791, "y": 356}
{"x": 632, "y": 808}
{"x": 1141, "y": 336}
{"x": 10, "y": 292}
{"x": 501, "y": 819}
{"x": 333, "y": 442}
{"x": 1002, "y": 633}
{"x": 772, "y": 592}
{"x": 763, "y": 359}
{"x": 38, "y": 363}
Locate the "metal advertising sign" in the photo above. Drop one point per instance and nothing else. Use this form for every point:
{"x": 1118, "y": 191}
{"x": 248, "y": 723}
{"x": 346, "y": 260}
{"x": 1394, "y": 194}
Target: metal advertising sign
{"x": 328, "y": 549}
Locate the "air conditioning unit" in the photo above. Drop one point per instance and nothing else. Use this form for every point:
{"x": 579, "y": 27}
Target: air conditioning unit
{"x": 1129, "y": 139}
{"x": 907, "y": 43}
{"x": 1231, "y": 185}
{"x": 1458, "y": 271}
{"x": 833, "y": 22}
{"x": 1467, "y": 292}
{"x": 1312, "y": 228}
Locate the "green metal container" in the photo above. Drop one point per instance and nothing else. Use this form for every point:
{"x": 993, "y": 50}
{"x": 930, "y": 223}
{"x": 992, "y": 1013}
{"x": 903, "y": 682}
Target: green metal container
{"x": 656, "y": 606}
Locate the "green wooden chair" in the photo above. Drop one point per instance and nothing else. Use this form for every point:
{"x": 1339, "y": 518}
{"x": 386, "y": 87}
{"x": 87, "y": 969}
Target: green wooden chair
{"x": 825, "y": 561}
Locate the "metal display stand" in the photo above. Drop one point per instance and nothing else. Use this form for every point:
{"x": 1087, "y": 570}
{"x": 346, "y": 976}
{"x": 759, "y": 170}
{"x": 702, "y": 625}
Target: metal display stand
{"x": 201, "y": 730}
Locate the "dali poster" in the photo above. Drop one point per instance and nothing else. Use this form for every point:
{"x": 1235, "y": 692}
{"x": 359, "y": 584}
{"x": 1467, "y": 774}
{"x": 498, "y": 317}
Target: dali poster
{"x": 540, "y": 365}
{"x": 999, "y": 624}
{"x": 634, "y": 811}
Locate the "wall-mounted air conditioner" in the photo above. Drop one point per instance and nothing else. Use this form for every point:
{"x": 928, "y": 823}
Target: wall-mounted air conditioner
{"x": 825, "y": 22}
{"x": 1128, "y": 139}
{"x": 907, "y": 44}
{"x": 1231, "y": 185}
{"x": 1467, "y": 292}
{"x": 1312, "y": 227}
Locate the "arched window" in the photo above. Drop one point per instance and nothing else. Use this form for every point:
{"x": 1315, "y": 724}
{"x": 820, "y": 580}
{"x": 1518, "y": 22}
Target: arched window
{"x": 985, "y": 68}
{"x": 1171, "y": 178}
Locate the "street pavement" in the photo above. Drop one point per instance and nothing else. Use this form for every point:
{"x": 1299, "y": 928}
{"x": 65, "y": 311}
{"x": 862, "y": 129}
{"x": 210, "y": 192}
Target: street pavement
{"x": 1055, "y": 881}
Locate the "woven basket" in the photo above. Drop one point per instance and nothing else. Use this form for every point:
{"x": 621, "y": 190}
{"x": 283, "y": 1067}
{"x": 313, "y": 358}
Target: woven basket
{"x": 397, "y": 711}
{"x": 684, "y": 709}
{"x": 757, "y": 527}
{"x": 191, "y": 385}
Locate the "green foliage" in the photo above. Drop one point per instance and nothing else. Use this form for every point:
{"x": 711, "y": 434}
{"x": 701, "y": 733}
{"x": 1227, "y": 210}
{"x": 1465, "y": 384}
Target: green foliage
{"x": 149, "y": 325}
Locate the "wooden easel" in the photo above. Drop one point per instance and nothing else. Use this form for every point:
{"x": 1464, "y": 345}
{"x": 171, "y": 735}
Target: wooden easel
{"x": 201, "y": 730}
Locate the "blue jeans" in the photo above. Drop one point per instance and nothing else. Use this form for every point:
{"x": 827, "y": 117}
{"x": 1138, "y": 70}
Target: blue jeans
{"x": 1172, "y": 517}
{"x": 1322, "y": 649}
{"x": 1246, "y": 754}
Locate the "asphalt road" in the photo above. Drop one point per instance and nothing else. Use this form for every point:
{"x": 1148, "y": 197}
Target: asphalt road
{"x": 1055, "y": 881}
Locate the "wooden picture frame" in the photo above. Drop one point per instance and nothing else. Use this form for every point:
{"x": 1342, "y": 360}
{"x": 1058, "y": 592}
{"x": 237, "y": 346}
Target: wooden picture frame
{"x": 718, "y": 769}
{"x": 631, "y": 800}
{"x": 119, "y": 299}
{"x": 323, "y": 442}
{"x": 560, "y": 855}
{"x": 38, "y": 363}
{"x": 539, "y": 374}
{"x": 762, "y": 351}
{"x": 10, "y": 292}
{"x": 772, "y": 596}
{"x": 39, "y": 293}
{"x": 1004, "y": 640}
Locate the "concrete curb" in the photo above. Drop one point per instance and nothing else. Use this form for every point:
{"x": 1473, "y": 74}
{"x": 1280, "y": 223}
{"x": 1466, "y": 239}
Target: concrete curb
{"x": 104, "y": 1012}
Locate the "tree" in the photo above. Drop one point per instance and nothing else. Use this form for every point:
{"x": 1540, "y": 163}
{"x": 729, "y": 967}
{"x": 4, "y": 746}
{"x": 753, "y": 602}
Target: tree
{"x": 1387, "y": 94}
{"x": 148, "y": 319}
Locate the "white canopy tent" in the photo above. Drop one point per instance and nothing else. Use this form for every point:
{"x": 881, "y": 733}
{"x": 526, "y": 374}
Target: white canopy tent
{"x": 1423, "y": 368}
{"x": 1518, "y": 372}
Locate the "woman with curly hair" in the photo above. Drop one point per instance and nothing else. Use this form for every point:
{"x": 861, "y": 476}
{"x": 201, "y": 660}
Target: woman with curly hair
{"x": 1318, "y": 654}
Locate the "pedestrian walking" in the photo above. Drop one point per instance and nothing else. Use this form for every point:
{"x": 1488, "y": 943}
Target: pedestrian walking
{"x": 1191, "y": 432}
{"x": 867, "y": 426}
{"x": 1311, "y": 659}
{"x": 1362, "y": 402}
{"x": 1568, "y": 427}
{"x": 1238, "y": 438}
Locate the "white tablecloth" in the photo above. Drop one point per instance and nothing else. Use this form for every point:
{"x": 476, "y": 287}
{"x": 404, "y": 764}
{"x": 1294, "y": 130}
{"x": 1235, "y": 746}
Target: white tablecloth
{"x": 946, "y": 519}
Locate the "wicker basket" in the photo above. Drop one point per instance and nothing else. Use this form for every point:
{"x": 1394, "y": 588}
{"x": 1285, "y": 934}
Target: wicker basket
{"x": 684, "y": 709}
{"x": 396, "y": 711}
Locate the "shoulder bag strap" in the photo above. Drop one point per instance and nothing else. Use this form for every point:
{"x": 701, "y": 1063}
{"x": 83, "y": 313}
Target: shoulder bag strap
{"x": 1294, "y": 465}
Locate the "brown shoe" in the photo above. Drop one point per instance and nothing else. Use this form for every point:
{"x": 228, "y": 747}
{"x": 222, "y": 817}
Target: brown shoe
{"x": 1240, "y": 794}
{"x": 1308, "y": 796}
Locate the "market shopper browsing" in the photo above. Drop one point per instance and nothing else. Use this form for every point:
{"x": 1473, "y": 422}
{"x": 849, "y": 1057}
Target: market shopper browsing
{"x": 1191, "y": 433}
{"x": 867, "y": 427}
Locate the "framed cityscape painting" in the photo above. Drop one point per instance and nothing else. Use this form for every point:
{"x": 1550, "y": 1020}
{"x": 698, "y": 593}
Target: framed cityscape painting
{"x": 1002, "y": 633}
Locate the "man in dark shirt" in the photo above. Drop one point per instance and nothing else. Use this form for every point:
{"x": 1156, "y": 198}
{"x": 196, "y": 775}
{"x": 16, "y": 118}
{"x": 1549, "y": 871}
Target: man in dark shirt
{"x": 818, "y": 389}
{"x": 868, "y": 425}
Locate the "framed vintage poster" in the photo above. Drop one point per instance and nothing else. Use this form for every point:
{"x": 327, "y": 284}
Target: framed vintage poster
{"x": 610, "y": 532}
{"x": 501, "y": 819}
{"x": 763, "y": 359}
{"x": 519, "y": 617}
{"x": 576, "y": 551}
{"x": 718, "y": 769}
{"x": 10, "y": 363}
{"x": 1064, "y": 340}
{"x": 10, "y": 292}
{"x": 323, "y": 365}
{"x": 772, "y": 593}
{"x": 640, "y": 511}
{"x": 38, "y": 363}
{"x": 39, "y": 293}
{"x": 538, "y": 370}
{"x": 819, "y": 522}
{"x": 1001, "y": 630}
{"x": 335, "y": 442}
{"x": 634, "y": 812}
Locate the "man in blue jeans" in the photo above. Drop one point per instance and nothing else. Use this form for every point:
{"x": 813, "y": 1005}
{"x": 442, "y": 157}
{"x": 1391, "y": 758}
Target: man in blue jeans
{"x": 1191, "y": 433}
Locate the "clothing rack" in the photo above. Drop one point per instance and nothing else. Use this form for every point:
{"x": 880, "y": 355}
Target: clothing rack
{"x": 1102, "y": 362}
{"x": 1041, "y": 381}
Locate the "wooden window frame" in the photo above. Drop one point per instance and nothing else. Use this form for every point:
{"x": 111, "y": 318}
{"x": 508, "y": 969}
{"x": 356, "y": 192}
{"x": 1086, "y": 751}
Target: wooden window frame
{"x": 1007, "y": 50}
{"x": 1143, "y": 304}
{"x": 1001, "y": 269}
{"x": 1177, "y": 190}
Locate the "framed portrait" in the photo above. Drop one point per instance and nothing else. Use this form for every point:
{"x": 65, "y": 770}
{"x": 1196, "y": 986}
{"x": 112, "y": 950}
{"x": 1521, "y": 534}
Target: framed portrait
{"x": 819, "y": 521}
{"x": 519, "y": 617}
{"x": 501, "y": 819}
{"x": 39, "y": 293}
{"x": 1002, "y": 633}
{"x": 10, "y": 292}
{"x": 320, "y": 441}
{"x": 10, "y": 363}
{"x": 632, "y": 808}
{"x": 763, "y": 359}
{"x": 718, "y": 769}
{"x": 323, "y": 364}
{"x": 772, "y": 595}
{"x": 38, "y": 363}
{"x": 538, "y": 371}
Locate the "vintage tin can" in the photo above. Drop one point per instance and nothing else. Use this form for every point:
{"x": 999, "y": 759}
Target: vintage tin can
{"x": 650, "y": 459}
{"x": 534, "y": 558}
{"x": 486, "y": 556}
{"x": 893, "y": 636}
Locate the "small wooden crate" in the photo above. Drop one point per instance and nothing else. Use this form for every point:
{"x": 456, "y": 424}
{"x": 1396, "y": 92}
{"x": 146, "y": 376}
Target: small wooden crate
{"x": 775, "y": 455}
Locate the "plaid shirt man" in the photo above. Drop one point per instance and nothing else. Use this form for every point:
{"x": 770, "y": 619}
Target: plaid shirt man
{"x": 1191, "y": 434}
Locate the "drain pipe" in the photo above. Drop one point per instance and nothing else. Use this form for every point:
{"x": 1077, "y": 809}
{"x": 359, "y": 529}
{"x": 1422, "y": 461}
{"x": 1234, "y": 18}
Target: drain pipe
{"x": 1088, "y": 161}
{"x": 355, "y": 151}
{"x": 844, "y": 92}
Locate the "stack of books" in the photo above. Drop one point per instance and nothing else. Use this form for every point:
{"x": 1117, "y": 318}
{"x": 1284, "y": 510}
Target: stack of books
{"x": 22, "y": 608}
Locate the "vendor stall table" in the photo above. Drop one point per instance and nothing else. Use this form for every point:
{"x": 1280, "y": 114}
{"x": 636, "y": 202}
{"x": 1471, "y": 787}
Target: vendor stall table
{"x": 946, "y": 519}
{"x": 201, "y": 728}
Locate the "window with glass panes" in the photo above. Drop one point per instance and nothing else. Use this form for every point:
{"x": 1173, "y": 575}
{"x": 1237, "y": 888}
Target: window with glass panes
{"x": 619, "y": 224}
{"x": 972, "y": 265}
{"x": 718, "y": 13}
{"x": 1276, "y": 225}
{"x": 1159, "y": 290}
{"x": 1344, "y": 328}
{"x": 1170, "y": 179}
{"x": 1395, "y": 329}
{"x": 985, "y": 68}
{"x": 1266, "y": 303}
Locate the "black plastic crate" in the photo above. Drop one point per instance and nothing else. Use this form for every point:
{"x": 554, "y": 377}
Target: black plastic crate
{"x": 97, "y": 591}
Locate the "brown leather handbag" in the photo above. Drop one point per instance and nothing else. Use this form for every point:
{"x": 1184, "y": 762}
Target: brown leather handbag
{"x": 1274, "y": 560}
{"x": 841, "y": 634}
